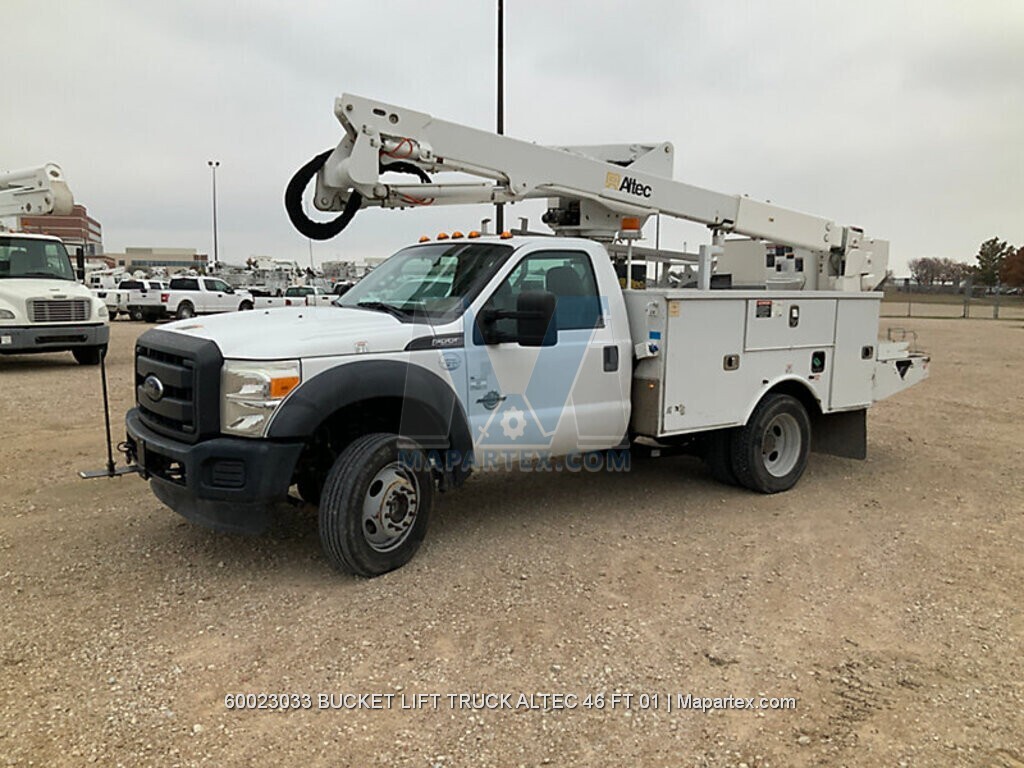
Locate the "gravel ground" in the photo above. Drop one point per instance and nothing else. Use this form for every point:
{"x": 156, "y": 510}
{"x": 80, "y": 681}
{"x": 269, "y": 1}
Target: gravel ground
{"x": 883, "y": 595}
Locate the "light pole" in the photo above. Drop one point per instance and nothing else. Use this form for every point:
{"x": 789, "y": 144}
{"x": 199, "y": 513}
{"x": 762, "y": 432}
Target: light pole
{"x": 499, "y": 209}
{"x": 214, "y": 164}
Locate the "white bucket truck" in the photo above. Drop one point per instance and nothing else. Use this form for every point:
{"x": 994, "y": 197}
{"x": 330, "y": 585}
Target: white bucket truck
{"x": 472, "y": 351}
{"x": 43, "y": 307}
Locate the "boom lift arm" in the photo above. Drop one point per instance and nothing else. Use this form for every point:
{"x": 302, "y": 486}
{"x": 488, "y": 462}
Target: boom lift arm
{"x": 34, "y": 192}
{"x": 591, "y": 188}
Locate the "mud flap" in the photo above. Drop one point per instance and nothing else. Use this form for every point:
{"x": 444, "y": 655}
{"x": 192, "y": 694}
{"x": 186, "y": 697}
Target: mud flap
{"x": 843, "y": 434}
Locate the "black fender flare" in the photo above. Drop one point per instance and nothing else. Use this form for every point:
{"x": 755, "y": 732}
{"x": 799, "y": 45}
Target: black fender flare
{"x": 431, "y": 411}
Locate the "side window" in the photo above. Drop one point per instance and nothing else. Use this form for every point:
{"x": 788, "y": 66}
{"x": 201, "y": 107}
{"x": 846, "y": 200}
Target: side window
{"x": 212, "y": 285}
{"x": 569, "y": 275}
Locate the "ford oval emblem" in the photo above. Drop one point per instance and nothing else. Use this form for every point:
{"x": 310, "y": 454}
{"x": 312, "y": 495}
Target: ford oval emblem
{"x": 153, "y": 387}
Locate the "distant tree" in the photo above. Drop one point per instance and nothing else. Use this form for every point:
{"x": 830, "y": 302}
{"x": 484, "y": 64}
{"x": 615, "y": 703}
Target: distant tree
{"x": 923, "y": 270}
{"x": 1012, "y": 270}
{"x": 990, "y": 258}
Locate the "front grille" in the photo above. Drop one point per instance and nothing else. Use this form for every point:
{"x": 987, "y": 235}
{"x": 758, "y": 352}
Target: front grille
{"x": 183, "y": 401}
{"x": 58, "y": 310}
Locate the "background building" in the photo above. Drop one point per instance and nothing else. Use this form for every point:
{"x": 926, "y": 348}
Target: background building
{"x": 171, "y": 259}
{"x": 77, "y": 230}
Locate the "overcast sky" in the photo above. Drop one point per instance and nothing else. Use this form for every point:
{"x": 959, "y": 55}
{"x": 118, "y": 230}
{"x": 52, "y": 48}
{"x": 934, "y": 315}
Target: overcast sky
{"x": 905, "y": 118}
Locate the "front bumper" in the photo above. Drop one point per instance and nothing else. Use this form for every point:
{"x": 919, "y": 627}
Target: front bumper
{"x": 226, "y": 483}
{"x": 51, "y": 338}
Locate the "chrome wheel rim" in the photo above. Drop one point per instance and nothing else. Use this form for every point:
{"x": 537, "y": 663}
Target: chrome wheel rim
{"x": 390, "y": 506}
{"x": 780, "y": 445}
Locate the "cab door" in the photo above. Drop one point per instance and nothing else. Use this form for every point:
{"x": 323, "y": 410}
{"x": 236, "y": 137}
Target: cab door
{"x": 217, "y": 298}
{"x": 566, "y": 396}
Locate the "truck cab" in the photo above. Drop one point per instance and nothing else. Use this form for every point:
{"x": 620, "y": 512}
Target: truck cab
{"x": 43, "y": 307}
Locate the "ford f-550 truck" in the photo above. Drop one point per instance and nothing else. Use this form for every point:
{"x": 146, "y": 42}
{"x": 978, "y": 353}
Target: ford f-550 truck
{"x": 476, "y": 351}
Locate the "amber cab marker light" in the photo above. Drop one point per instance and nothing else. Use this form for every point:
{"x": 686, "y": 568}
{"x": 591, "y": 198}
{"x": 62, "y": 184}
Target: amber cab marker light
{"x": 473, "y": 234}
{"x": 442, "y": 235}
{"x": 506, "y": 235}
{"x": 424, "y": 239}
{"x": 282, "y": 386}
{"x": 456, "y": 234}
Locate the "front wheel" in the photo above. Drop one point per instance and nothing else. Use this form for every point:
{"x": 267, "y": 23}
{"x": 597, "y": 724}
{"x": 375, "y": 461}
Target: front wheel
{"x": 769, "y": 454}
{"x": 375, "y": 505}
{"x": 89, "y": 355}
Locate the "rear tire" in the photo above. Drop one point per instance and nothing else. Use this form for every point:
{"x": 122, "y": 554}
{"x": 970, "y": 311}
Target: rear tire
{"x": 135, "y": 313}
{"x": 89, "y": 355}
{"x": 245, "y": 306}
{"x": 185, "y": 310}
{"x": 375, "y": 505}
{"x": 770, "y": 453}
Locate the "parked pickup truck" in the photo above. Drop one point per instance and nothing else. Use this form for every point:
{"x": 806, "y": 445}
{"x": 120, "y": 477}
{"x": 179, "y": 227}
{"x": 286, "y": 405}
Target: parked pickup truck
{"x": 190, "y": 296}
{"x": 142, "y": 298}
{"x": 297, "y": 296}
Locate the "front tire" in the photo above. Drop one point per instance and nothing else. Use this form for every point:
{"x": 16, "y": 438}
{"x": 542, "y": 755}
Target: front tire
{"x": 89, "y": 355}
{"x": 770, "y": 453}
{"x": 375, "y": 505}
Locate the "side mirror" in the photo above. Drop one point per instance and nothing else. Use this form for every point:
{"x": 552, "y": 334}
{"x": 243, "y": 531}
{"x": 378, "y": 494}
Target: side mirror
{"x": 229, "y": 289}
{"x": 535, "y": 313}
{"x": 80, "y": 264}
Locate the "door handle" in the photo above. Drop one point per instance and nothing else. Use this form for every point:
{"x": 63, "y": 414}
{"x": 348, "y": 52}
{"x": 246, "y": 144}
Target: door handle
{"x": 491, "y": 400}
{"x": 611, "y": 359}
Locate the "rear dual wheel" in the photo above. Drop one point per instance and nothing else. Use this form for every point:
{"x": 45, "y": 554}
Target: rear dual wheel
{"x": 769, "y": 453}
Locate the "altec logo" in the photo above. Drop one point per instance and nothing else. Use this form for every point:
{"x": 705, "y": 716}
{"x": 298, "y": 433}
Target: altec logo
{"x": 626, "y": 184}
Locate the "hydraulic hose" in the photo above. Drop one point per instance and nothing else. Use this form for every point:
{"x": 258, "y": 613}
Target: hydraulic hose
{"x": 325, "y": 230}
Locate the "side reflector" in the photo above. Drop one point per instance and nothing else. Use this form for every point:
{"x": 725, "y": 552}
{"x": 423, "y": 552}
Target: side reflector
{"x": 631, "y": 223}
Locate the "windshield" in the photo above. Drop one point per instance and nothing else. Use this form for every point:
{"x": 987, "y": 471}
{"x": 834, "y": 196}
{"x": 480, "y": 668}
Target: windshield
{"x": 28, "y": 257}
{"x": 436, "y": 281}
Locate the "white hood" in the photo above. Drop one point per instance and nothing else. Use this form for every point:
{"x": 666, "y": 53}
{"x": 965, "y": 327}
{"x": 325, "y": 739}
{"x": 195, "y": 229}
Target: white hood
{"x": 16, "y": 291}
{"x": 297, "y": 332}
{"x": 22, "y": 288}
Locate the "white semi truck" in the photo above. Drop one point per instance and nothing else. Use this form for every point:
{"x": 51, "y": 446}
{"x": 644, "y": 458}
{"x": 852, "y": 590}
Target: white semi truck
{"x": 43, "y": 307}
{"x": 476, "y": 351}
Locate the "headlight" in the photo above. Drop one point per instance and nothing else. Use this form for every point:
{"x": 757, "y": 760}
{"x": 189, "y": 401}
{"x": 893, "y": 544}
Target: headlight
{"x": 251, "y": 392}
{"x": 102, "y": 311}
{"x": 6, "y": 314}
